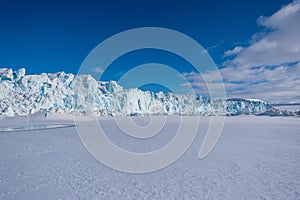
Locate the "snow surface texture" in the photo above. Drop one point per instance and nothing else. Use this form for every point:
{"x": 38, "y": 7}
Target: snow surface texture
{"x": 22, "y": 94}
{"x": 255, "y": 158}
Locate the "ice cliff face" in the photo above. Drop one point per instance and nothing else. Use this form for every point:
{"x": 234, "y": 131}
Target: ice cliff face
{"x": 22, "y": 94}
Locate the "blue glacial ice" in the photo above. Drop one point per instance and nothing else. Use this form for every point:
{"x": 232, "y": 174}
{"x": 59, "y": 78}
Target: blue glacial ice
{"x": 22, "y": 94}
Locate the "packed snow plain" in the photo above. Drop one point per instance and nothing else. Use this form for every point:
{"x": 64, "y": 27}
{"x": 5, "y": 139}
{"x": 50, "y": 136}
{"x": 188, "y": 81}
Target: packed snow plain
{"x": 256, "y": 157}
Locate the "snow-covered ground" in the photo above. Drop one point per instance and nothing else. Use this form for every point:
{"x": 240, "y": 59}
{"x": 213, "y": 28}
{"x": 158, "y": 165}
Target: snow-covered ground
{"x": 289, "y": 107}
{"x": 256, "y": 157}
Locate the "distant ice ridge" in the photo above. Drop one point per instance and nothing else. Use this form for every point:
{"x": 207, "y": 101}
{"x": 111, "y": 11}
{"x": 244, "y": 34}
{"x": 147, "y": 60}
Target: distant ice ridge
{"x": 22, "y": 94}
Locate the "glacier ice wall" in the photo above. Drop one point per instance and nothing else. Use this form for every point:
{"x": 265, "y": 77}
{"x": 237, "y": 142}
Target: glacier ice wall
{"x": 22, "y": 94}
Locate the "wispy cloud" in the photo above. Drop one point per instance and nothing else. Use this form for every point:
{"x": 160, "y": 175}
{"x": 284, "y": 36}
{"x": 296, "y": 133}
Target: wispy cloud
{"x": 278, "y": 44}
{"x": 234, "y": 51}
{"x": 272, "y": 84}
{"x": 98, "y": 70}
{"x": 268, "y": 68}
{"x": 213, "y": 47}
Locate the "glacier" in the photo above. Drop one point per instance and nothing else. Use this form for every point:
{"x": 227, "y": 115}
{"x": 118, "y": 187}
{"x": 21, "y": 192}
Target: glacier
{"x": 22, "y": 94}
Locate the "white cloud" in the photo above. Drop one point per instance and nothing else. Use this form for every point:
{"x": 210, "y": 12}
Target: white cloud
{"x": 234, "y": 51}
{"x": 272, "y": 84}
{"x": 211, "y": 48}
{"x": 280, "y": 17}
{"x": 269, "y": 67}
{"x": 280, "y": 44}
{"x": 98, "y": 70}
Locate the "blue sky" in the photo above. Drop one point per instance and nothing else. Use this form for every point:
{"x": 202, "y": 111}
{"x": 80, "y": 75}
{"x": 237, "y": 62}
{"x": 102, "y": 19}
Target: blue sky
{"x": 51, "y": 36}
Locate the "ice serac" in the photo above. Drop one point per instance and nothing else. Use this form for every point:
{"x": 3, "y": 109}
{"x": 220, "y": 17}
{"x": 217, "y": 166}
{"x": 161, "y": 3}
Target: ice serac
{"x": 22, "y": 94}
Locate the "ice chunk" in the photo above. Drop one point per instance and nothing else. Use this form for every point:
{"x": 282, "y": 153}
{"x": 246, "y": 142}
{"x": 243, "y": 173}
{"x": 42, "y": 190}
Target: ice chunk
{"x": 6, "y": 74}
{"x": 19, "y": 73}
